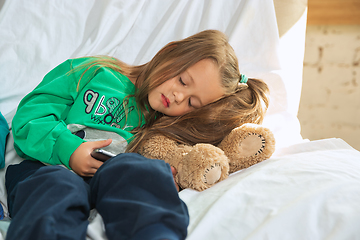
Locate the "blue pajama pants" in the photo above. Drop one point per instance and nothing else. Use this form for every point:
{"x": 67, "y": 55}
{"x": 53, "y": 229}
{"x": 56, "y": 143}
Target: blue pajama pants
{"x": 135, "y": 196}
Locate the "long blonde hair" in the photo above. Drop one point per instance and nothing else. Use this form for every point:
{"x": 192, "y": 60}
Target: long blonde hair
{"x": 211, "y": 123}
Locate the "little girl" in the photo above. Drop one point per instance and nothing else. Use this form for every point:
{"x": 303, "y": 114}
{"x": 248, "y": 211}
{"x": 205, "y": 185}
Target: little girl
{"x": 191, "y": 91}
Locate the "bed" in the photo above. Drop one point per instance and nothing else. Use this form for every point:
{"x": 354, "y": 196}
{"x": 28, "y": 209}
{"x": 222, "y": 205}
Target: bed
{"x": 306, "y": 190}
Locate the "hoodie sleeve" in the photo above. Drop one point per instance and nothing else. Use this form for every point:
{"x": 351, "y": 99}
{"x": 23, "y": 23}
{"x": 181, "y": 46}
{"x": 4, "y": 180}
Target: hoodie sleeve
{"x": 39, "y": 130}
{"x": 4, "y": 131}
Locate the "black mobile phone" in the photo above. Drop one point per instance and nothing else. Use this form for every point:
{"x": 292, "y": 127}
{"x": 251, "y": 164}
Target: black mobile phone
{"x": 102, "y": 155}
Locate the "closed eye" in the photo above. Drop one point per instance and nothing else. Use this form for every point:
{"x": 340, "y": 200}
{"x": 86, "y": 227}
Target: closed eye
{"x": 181, "y": 82}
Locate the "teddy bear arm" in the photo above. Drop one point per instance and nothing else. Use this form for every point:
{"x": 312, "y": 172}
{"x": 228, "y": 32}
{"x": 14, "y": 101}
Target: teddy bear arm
{"x": 163, "y": 148}
{"x": 248, "y": 145}
{"x": 202, "y": 167}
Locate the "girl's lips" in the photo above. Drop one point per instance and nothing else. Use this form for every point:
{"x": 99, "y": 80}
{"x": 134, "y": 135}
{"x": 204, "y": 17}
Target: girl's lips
{"x": 165, "y": 101}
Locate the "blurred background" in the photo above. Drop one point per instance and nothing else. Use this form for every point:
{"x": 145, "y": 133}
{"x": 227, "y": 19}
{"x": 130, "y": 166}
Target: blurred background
{"x": 330, "y": 99}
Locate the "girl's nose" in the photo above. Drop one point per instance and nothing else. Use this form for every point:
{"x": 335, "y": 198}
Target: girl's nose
{"x": 179, "y": 97}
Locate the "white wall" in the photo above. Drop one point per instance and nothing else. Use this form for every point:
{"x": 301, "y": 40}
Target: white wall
{"x": 330, "y": 100}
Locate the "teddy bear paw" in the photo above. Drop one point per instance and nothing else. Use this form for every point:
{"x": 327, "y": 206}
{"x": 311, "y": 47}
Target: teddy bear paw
{"x": 252, "y": 144}
{"x": 212, "y": 174}
{"x": 248, "y": 145}
{"x": 202, "y": 167}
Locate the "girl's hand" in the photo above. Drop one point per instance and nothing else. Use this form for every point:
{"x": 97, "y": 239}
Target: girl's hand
{"x": 174, "y": 172}
{"x": 81, "y": 160}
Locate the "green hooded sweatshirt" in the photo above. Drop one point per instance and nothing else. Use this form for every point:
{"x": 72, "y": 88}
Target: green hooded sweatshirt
{"x": 40, "y": 125}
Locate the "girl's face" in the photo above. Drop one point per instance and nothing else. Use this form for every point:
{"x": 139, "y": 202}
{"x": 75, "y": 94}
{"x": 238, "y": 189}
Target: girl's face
{"x": 198, "y": 86}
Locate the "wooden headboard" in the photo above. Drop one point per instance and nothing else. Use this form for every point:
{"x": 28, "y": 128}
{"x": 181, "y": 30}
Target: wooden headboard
{"x": 334, "y": 12}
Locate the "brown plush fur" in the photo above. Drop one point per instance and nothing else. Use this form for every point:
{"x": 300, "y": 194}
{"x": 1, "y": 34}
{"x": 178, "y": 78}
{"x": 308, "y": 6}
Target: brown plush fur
{"x": 247, "y": 145}
{"x": 202, "y": 165}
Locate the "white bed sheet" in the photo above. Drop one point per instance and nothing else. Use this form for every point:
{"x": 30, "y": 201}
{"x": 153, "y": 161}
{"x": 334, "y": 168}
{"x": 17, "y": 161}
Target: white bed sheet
{"x": 309, "y": 191}
{"x": 305, "y": 191}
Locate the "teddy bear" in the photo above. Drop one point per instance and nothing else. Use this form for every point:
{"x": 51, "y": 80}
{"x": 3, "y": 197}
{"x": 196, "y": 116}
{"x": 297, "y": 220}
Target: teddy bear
{"x": 202, "y": 165}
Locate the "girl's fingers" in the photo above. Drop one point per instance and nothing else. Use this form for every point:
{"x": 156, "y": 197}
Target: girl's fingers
{"x": 96, "y": 164}
{"x": 101, "y": 144}
{"x": 174, "y": 172}
{"x": 81, "y": 160}
{"x": 92, "y": 168}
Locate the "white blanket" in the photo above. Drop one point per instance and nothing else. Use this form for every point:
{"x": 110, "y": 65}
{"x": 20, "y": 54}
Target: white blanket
{"x": 310, "y": 191}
